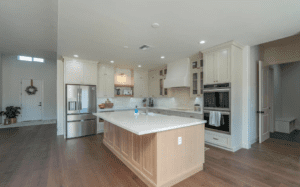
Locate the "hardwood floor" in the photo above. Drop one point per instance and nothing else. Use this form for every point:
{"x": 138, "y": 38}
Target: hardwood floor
{"x": 35, "y": 156}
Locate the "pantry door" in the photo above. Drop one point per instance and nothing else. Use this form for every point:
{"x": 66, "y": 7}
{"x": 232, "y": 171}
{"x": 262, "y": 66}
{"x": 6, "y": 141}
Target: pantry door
{"x": 264, "y": 104}
{"x": 32, "y": 105}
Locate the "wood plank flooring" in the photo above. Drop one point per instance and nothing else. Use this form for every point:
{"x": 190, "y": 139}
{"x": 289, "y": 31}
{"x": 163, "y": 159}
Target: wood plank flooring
{"x": 35, "y": 156}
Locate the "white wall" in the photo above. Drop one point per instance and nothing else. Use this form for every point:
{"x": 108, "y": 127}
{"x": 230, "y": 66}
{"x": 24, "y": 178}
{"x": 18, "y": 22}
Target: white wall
{"x": 13, "y": 71}
{"x": 277, "y": 91}
{"x": 0, "y": 86}
{"x": 253, "y": 107}
{"x": 60, "y": 98}
{"x": 290, "y": 90}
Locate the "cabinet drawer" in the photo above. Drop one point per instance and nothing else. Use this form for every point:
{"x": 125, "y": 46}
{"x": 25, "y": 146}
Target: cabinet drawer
{"x": 217, "y": 139}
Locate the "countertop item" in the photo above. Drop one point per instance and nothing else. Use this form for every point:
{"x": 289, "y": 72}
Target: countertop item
{"x": 158, "y": 108}
{"x": 147, "y": 124}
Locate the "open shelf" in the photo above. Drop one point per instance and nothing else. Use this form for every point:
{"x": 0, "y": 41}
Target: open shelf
{"x": 123, "y": 95}
{"x": 122, "y": 85}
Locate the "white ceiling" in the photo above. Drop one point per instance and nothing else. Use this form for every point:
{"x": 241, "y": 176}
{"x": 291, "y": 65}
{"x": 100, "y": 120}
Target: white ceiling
{"x": 98, "y": 30}
{"x": 29, "y": 27}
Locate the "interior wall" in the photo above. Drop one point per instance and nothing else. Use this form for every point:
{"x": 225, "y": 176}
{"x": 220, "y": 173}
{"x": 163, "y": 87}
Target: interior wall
{"x": 253, "y": 105}
{"x": 277, "y": 91}
{"x": 60, "y": 98}
{"x": 290, "y": 90}
{"x": 0, "y": 86}
{"x": 13, "y": 71}
{"x": 280, "y": 51}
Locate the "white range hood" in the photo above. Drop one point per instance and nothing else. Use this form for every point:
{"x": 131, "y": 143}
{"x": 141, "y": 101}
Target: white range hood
{"x": 178, "y": 74}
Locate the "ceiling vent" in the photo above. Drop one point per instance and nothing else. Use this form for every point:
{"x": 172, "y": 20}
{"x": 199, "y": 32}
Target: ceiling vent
{"x": 144, "y": 47}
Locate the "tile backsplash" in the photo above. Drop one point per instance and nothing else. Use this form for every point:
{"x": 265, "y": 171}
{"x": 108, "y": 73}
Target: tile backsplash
{"x": 181, "y": 99}
{"x": 123, "y": 102}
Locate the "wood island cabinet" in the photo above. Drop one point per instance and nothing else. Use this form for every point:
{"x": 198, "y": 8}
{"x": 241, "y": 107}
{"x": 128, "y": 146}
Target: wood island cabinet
{"x": 156, "y": 158}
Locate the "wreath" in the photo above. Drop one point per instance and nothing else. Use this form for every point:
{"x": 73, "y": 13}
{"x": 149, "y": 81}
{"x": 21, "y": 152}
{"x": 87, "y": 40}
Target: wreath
{"x": 31, "y": 90}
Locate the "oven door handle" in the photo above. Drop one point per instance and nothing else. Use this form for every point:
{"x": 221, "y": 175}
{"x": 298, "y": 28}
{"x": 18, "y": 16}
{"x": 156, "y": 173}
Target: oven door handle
{"x": 222, "y": 112}
{"x": 216, "y": 90}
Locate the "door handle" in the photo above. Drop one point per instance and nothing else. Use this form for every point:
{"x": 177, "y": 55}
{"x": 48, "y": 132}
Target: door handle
{"x": 40, "y": 104}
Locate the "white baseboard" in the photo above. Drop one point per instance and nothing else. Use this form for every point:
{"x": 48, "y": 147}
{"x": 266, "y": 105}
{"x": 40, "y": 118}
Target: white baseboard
{"x": 254, "y": 140}
{"x": 100, "y": 131}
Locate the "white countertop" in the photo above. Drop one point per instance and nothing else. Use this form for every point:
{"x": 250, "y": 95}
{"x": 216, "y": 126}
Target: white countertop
{"x": 159, "y": 108}
{"x": 147, "y": 124}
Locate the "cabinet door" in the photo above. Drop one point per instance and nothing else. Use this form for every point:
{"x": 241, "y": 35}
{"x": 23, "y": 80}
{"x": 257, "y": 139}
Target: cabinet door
{"x": 140, "y": 84}
{"x": 153, "y": 85}
{"x": 90, "y": 73}
{"x": 208, "y": 68}
{"x": 105, "y": 81}
{"x": 195, "y": 83}
{"x": 223, "y": 66}
{"x": 110, "y": 82}
{"x": 74, "y": 72}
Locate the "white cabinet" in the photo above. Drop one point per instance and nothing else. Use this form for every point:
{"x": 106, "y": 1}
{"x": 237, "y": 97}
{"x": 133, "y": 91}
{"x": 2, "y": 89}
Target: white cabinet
{"x": 217, "y": 66}
{"x": 80, "y": 71}
{"x": 105, "y": 81}
{"x": 73, "y": 72}
{"x": 90, "y": 73}
{"x": 153, "y": 88}
{"x": 219, "y": 139}
{"x": 140, "y": 83}
{"x": 196, "y": 75}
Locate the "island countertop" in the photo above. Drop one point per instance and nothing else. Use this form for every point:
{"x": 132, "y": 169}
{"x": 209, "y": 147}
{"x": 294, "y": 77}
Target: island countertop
{"x": 146, "y": 124}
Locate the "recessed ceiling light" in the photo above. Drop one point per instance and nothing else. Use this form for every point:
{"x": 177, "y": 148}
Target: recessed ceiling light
{"x": 112, "y": 61}
{"x": 139, "y": 66}
{"x": 76, "y": 56}
{"x": 162, "y": 57}
{"x": 202, "y": 42}
{"x": 125, "y": 47}
{"x": 155, "y": 25}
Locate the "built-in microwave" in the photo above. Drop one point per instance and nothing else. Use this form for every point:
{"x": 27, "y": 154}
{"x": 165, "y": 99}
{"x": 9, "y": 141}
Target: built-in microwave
{"x": 225, "y": 122}
{"x": 217, "y": 97}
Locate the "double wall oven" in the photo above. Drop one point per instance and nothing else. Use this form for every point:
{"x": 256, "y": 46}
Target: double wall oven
{"x": 217, "y": 98}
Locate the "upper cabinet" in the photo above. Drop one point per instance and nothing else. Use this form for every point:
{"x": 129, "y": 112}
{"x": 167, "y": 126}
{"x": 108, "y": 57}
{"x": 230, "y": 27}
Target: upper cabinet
{"x": 106, "y": 87}
{"x": 140, "y": 83}
{"x": 196, "y": 73}
{"x": 218, "y": 62}
{"x": 156, "y": 82}
{"x": 80, "y": 71}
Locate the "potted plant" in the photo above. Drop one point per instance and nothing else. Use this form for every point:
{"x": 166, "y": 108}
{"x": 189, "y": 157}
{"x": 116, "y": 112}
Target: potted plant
{"x": 11, "y": 113}
{"x": 144, "y": 102}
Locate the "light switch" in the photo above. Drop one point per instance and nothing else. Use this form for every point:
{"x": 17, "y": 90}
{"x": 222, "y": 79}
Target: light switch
{"x": 179, "y": 140}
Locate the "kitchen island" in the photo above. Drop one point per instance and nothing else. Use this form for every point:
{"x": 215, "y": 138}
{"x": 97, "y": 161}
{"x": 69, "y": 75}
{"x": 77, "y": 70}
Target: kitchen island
{"x": 161, "y": 150}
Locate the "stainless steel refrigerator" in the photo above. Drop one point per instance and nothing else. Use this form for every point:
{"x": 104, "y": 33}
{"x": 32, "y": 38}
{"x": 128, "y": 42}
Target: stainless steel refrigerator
{"x": 81, "y": 103}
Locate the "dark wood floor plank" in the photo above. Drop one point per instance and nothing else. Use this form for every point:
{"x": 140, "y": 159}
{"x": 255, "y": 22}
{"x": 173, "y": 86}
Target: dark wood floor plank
{"x": 35, "y": 156}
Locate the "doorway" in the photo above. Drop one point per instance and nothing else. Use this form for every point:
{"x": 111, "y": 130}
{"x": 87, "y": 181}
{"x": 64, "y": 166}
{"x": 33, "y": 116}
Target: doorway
{"x": 32, "y": 100}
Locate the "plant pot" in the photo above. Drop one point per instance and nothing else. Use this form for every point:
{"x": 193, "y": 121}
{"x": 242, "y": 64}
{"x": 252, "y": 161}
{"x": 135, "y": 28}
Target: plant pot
{"x": 10, "y": 121}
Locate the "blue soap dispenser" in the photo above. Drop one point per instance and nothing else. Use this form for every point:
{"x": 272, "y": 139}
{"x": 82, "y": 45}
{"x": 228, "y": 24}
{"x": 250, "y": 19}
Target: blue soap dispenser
{"x": 136, "y": 111}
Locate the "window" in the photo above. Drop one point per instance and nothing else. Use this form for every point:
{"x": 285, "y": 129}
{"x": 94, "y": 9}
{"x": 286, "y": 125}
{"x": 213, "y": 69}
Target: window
{"x": 30, "y": 59}
{"x": 25, "y": 58}
{"x": 38, "y": 59}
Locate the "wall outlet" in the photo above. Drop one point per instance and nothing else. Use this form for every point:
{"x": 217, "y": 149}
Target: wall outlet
{"x": 179, "y": 140}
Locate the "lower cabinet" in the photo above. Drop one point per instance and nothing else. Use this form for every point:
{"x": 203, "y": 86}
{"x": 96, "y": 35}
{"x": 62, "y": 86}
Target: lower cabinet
{"x": 223, "y": 140}
{"x": 140, "y": 151}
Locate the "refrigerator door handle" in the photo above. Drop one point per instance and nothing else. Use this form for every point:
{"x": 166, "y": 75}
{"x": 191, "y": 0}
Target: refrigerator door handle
{"x": 78, "y": 99}
{"x": 80, "y": 93}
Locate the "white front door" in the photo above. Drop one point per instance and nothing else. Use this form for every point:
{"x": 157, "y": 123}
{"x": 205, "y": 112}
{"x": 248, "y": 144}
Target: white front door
{"x": 32, "y": 104}
{"x": 264, "y": 120}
